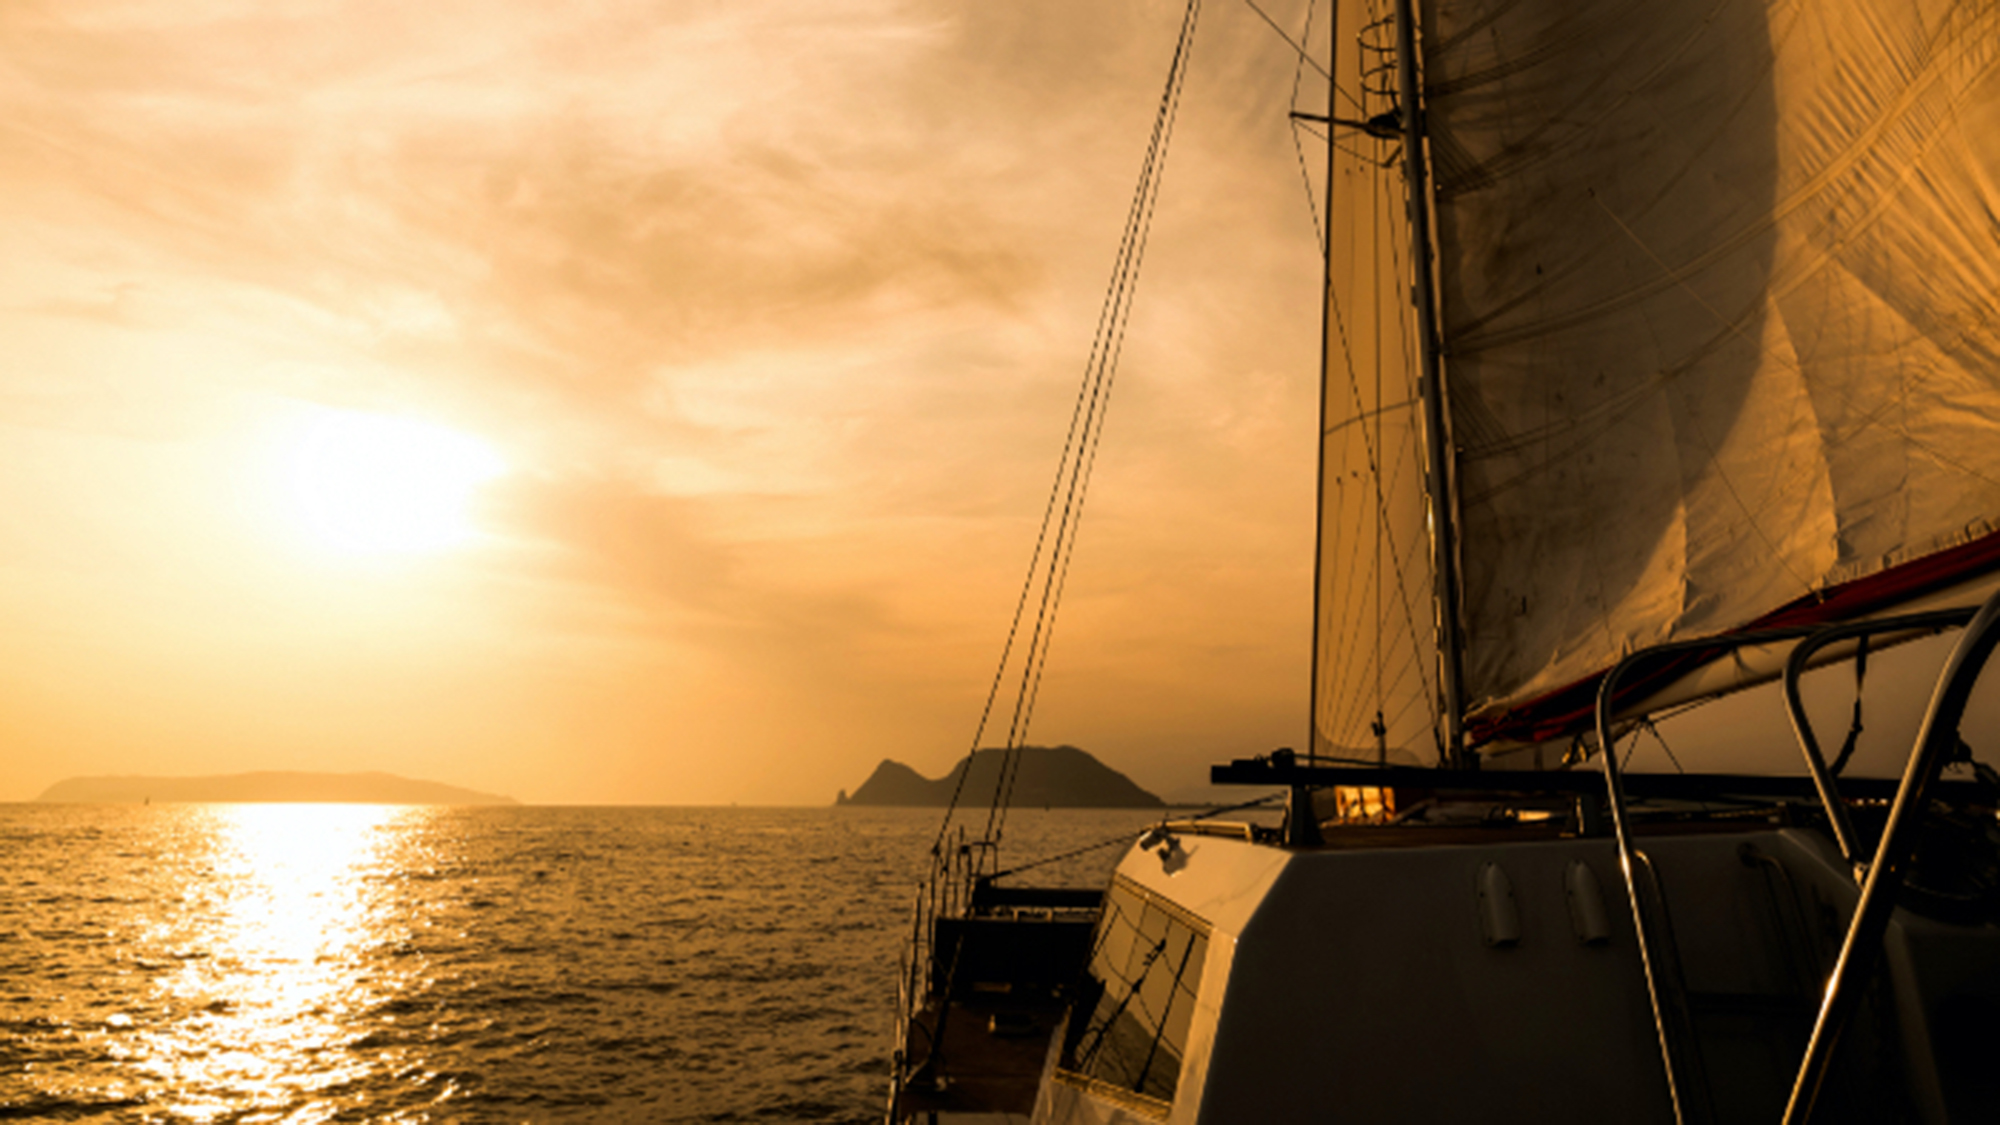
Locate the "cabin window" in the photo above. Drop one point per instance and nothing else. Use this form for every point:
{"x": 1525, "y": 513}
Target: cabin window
{"x": 1139, "y": 993}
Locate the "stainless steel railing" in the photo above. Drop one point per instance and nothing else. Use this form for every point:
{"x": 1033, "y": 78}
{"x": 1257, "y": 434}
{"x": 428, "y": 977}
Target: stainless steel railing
{"x": 1937, "y": 742}
{"x": 1881, "y": 876}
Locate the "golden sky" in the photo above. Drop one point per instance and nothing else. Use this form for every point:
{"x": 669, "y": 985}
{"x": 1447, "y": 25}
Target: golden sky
{"x": 637, "y": 402}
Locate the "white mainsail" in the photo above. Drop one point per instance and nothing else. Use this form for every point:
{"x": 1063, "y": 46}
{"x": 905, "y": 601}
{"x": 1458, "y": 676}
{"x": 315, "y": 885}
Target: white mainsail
{"x": 1720, "y": 295}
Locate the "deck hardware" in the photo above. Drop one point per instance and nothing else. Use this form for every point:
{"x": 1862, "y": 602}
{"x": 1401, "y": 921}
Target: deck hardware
{"x": 1301, "y": 822}
{"x": 1588, "y": 813}
{"x": 1499, "y": 918}
{"x": 1383, "y": 126}
{"x": 1683, "y": 786}
{"x": 1162, "y": 841}
{"x": 1587, "y": 915}
{"x": 1862, "y": 949}
{"x": 1826, "y": 787}
{"x": 1676, "y": 1055}
{"x": 1795, "y": 934}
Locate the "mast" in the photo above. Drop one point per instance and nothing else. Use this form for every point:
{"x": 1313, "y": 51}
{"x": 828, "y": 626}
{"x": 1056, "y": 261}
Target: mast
{"x": 1440, "y": 480}
{"x": 1319, "y": 416}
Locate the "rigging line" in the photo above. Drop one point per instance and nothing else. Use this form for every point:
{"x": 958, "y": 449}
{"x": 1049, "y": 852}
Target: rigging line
{"x": 1344, "y": 543}
{"x": 1071, "y": 522}
{"x": 1853, "y": 739}
{"x": 1104, "y": 356}
{"x": 1380, "y": 617}
{"x": 1396, "y": 697}
{"x": 1305, "y": 173}
{"x": 1079, "y": 421}
{"x": 1346, "y": 642}
{"x": 1081, "y": 417}
{"x": 1121, "y": 838}
{"x": 1304, "y": 55}
{"x": 1351, "y": 149}
{"x": 1020, "y": 608}
{"x": 1409, "y": 705}
{"x": 1733, "y": 329}
{"x": 1366, "y": 416}
{"x": 1062, "y": 582}
{"x": 1113, "y": 346}
{"x": 1000, "y": 673}
{"x": 1654, "y": 730}
{"x": 1356, "y": 691}
{"x": 1406, "y": 323}
{"x": 1374, "y": 463}
{"x": 1155, "y": 169}
{"x": 1126, "y": 837}
{"x": 1374, "y": 467}
{"x": 1650, "y": 727}
{"x": 1391, "y": 689}
{"x": 1357, "y": 700}
{"x": 1033, "y": 691}
{"x": 1032, "y": 678}
{"x": 1067, "y": 526}
{"x": 1038, "y": 643}
{"x": 1298, "y": 65}
{"x": 1094, "y": 381}
{"x": 1360, "y": 639}
{"x": 1305, "y": 178}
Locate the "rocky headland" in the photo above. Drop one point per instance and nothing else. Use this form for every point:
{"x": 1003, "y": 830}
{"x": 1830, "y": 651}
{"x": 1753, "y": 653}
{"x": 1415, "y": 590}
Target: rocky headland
{"x": 1054, "y": 777}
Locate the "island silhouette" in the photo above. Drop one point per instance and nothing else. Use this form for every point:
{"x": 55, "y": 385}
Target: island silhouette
{"x": 1053, "y": 777}
{"x": 269, "y": 786}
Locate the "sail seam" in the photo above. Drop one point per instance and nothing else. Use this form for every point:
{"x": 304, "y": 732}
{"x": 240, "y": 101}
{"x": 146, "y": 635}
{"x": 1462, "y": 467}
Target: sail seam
{"x": 1381, "y": 510}
{"x": 1934, "y": 69}
{"x": 1730, "y": 328}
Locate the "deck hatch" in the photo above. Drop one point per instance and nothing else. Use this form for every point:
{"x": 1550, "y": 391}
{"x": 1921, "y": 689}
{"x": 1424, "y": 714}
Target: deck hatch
{"x": 1139, "y": 990}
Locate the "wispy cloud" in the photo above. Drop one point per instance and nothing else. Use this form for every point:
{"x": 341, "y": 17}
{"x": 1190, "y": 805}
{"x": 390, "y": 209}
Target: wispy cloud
{"x": 775, "y": 307}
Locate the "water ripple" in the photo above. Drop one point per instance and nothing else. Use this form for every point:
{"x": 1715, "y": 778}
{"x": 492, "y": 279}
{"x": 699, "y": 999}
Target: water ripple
{"x": 313, "y": 963}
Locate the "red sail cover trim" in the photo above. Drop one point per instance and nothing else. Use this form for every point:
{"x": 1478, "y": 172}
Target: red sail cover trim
{"x": 1572, "y": 708}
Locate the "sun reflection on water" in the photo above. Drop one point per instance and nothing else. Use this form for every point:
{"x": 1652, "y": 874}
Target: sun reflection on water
{"x": 274, "y": 927}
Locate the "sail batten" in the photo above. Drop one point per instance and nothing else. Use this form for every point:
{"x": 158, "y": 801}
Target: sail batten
{"x": 1718, "y": 285}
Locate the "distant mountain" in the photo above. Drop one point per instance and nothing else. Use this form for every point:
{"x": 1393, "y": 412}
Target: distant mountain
{"x": 350, "y": 788}
{"x": 1057, "y": 777}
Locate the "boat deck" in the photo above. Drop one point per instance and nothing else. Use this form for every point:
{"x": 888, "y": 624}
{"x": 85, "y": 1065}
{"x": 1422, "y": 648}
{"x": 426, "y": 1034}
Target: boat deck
{"x": 997, "y": 988}
{"x": 991, "y": 1057}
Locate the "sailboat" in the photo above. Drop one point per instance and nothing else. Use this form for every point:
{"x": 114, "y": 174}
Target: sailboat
{"x": 1662, "y": 360}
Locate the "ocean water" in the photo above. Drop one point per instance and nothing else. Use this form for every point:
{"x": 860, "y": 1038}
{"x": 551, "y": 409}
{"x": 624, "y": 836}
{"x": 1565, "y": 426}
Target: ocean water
{"x": 301, "y": 963}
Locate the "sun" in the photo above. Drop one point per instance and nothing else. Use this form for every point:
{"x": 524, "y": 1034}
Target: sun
{"x": 379, "y": 484}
